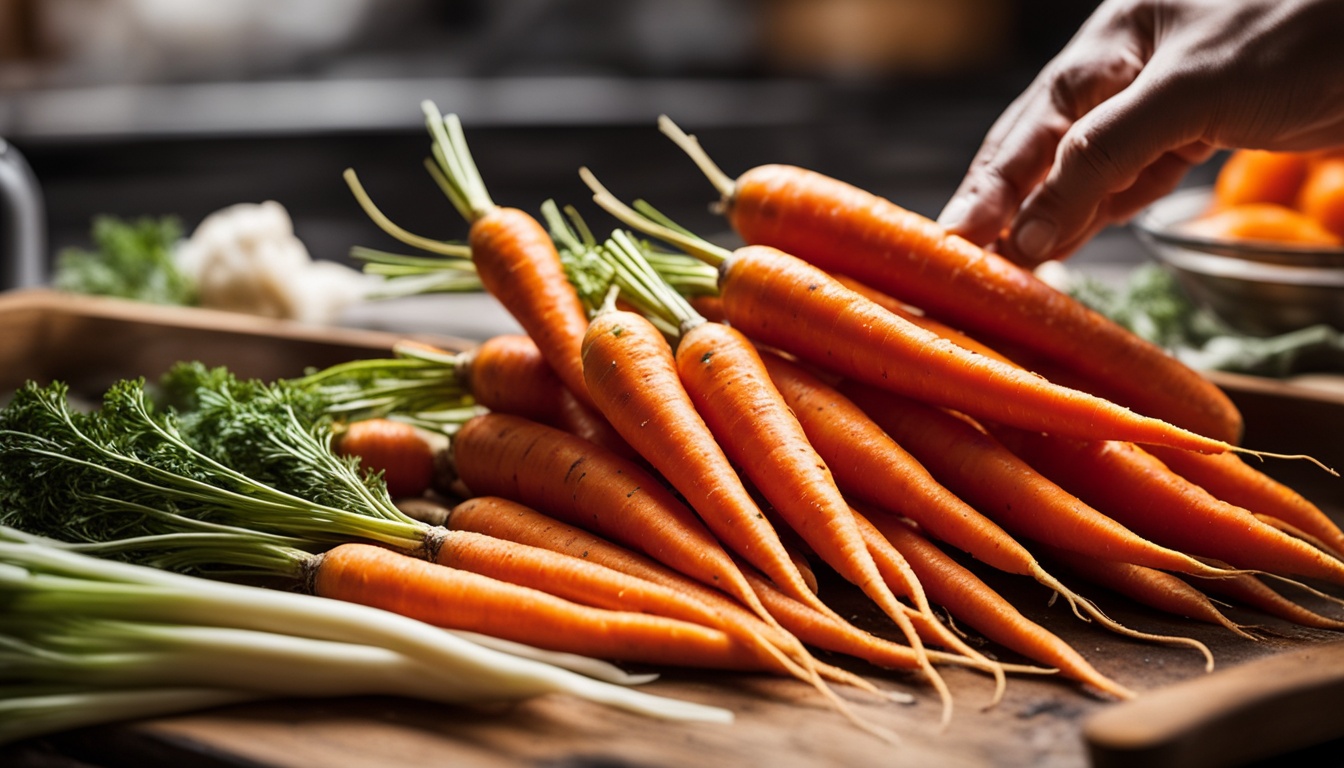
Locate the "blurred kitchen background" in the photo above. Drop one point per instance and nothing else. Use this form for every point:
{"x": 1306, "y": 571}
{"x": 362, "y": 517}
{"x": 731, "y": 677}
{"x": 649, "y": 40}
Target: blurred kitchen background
{"x": 183, "y": 107}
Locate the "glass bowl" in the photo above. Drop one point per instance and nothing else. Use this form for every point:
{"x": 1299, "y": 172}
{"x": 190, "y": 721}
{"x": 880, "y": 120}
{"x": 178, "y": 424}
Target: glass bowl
{"x": 1261, "y": 289}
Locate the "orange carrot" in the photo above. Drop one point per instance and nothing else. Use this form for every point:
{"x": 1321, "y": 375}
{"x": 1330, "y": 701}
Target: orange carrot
{"x": 722, "y": 387}
{"x": 1150, "y": 587}
{"x": 784, "y": 302}
{"x": 634, "y": 379}
{"x": 394, "y": 448}
{"x": 448, "y": 597}
{"x": 1005, "y": 488}
{"x": 589, "y": 487}
{"x": 1133, "y": 487}
{"x": 514, "y": 256}
{"x": 589, "y": 583}
{"x": 1233, "y": 480}
{"x": 515, "y": 522}
{"x": 843, "y": 229}
{"x": 1248, "y": 589}
{"x": 973, "y": 602}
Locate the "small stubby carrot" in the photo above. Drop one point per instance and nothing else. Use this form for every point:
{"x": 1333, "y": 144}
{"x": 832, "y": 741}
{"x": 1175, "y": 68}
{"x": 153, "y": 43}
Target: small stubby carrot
{"x": 846, "y": 230}
{"x": 455, "y": 599}
{"x": 1006, "y": 488}
{"x": 977, "y": 605}
{"x": 1233, "y": 480}
{"x": 781, "y": 301}
{"x": 1322, "y": 194}
{"x": 1147, "y": 586}
{"x": 396, "y": 449}
{"x": 1132, "y": 486}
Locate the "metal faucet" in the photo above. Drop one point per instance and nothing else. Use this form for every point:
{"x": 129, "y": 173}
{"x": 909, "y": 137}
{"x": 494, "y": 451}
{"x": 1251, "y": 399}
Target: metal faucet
{"x": 22, "y": 222}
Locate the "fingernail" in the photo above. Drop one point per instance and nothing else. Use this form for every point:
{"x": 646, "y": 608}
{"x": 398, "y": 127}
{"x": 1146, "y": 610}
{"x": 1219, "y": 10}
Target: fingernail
{"x": 955, "y": 213}
{"x": 1034, "y": 239}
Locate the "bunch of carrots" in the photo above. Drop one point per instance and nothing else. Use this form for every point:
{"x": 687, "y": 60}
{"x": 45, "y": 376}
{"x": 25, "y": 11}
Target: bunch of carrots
{"x": 661, "y": 467}
{"x": 1287, "y": 198}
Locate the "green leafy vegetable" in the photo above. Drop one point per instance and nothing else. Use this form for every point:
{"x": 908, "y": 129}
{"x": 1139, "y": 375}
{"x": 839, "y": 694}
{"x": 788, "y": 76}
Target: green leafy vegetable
{"x": 131, "y": 260}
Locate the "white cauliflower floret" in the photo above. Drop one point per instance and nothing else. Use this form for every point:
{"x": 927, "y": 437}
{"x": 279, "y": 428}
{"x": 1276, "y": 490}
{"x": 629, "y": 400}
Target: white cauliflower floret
{"x": 246, "y": 258}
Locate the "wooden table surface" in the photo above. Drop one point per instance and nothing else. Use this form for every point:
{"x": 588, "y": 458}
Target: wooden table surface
{"x": 778, "y": 722}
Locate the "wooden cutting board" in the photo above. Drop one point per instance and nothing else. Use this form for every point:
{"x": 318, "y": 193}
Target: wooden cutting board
{"x": 1040, "y": 722}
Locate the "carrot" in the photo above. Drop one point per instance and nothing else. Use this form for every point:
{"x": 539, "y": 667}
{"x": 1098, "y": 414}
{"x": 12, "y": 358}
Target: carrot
{"x": 842, "y": 229}
{"x": 784, "y": 302}
{"x": 1262, "y": 223}
{"x": 1236, "y": 482}
{"x": 973, "y": 602}
{"x": 1137, "y": 490}
{"x": 588, "y": 583}
{"x": 446, "y": 597}
{"x": 508, "y": 373}
{"x": 393, "y": 448}
{"x": 589, "y": 487}
{"x": 1260, "y": 176}
{"x": 514, "y": 256}
{"x": 1249, "y": 590}
{"x": 1153, "y": 588}
{"x": 981, "y": 470}
{"x": 723, "y": 391}
{"x": 1322, "y": 194}
{"x": 515, "y": 522}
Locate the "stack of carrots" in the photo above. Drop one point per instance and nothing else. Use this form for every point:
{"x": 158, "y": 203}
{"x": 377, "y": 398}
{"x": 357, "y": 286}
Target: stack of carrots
{"x": 855, "y": 390}
{"x": 1286, "y": 198}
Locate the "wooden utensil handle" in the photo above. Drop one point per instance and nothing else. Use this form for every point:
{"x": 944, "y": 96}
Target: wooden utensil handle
{"x": 1245, "y": 713}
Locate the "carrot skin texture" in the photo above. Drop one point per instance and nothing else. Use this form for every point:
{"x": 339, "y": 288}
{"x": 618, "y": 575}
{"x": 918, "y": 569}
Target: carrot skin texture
{"x": 509, "y": 374}
{"x": 394, "y": 448}
{"x": 1248, "y": 590}
{"x": 514, "y": 522}
{"x": 846, "y": 230}
{"x": 974, "y": 603}
{"x": 869, "y": 464}
{"x": 786, "y": 303}
{"x": 447, "y": 597}
{"x": 1004, "y": 487}
{"x": 518, "y": 264}
{"x": 634, "y": 379}
{"x": 1231, "y": 479}
{"x": 1133, "y": 487}
{"x": 589, "y": 487}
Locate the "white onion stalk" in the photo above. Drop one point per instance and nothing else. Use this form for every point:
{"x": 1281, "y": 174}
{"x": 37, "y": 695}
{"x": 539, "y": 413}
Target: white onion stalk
{"x": 41, "y": 581}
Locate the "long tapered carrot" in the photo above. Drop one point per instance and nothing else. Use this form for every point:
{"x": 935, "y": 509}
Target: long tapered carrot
{"x": 589, "y": 583}
{"x": 1249, "y": 590}
{"x": 1148, "y": 586}
{"x": 784, "y": 302}
{"x": 1233, "y": 480}
{"x": 844, "y": 229}
{"x": 515, "y": 522}
{"x": 633, "y": 377}
{"x": 447, "y": 597}
{"x": 587, "y": 486}
{"x": 1007, "y": 489}
{"x": 726, "y": 394}
{"x": 974, "y": 603}
{"x": 1133, "y": 487}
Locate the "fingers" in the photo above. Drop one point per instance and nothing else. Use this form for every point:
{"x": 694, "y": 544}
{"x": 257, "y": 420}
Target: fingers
{"x": 1131, "y": 149}
{"x": 1021, "y": 147}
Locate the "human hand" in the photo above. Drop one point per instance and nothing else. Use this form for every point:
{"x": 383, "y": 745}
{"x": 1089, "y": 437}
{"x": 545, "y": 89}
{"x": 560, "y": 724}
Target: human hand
{"x": 1144, "y": 91}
